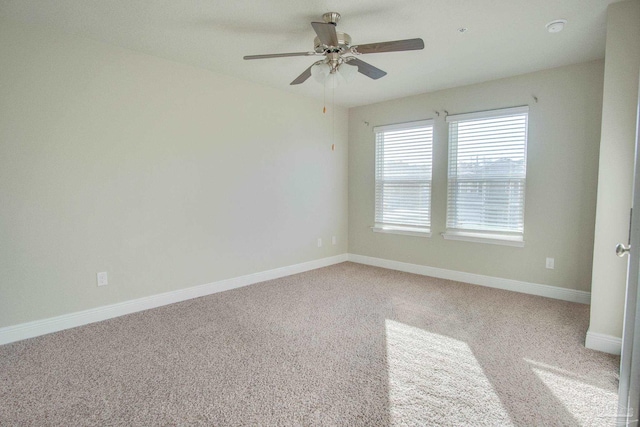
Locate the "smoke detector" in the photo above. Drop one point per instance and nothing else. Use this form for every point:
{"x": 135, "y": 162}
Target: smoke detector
{"x": 556, "y": 26}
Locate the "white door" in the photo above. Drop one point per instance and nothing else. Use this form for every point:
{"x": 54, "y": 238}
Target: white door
{"x": 629, "y": 389}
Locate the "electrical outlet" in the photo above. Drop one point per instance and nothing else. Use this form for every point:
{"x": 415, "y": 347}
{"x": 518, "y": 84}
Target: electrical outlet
{"x": 550, "y": 263}
{"x": 333, "y": 240}
{"x": 102, "y": 279}
{"x": 319, "y": 242}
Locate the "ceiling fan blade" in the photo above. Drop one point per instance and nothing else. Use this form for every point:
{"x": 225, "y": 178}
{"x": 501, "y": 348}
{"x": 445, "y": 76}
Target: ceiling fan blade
{"x": 326, "y": 33}
{"x": 367, "y": 69}
{"x": 302, "y": 77}
{"x": 278, "y": 55}
{"x": 394, "y": 46}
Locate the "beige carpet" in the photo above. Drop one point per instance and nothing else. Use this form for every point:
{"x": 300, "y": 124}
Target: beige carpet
{"x": 342, "y": 345}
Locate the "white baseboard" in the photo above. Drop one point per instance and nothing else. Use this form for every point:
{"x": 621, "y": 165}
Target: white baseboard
{"x": 477, "y": 279}
{"x": 603, "y": 342}
{"x": 54, "y": 324}
{"x": 45, "y": 326}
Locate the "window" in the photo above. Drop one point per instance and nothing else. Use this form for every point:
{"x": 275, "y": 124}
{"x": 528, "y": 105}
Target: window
{"x": 487, "y": 174}
{"x": 403, "y": 178}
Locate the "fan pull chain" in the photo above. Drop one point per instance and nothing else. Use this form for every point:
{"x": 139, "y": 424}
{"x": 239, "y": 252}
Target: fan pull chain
{"x": 324, "y": 97}
{"x": 333, "y": 117}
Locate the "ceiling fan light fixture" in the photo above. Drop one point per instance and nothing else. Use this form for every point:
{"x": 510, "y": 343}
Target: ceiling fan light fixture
{"x": 320, "y": 72}
{"x": 348, "y": 72}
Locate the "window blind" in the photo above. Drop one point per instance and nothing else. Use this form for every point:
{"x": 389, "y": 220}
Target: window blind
{"x": 487, "y": 171}
{"x": 403, "y": 176}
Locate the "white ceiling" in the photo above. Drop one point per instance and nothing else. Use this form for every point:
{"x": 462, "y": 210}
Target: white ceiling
{"x": 504, "y": 37}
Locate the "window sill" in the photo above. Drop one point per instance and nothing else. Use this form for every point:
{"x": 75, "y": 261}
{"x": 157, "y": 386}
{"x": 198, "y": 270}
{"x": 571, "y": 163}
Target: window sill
{"x": 485, "y": 238}
{"x": 400, "y": 230}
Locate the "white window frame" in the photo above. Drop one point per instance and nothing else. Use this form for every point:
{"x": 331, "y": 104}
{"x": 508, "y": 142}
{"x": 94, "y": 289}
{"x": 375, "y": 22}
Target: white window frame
{"x": 380, "y": 226}
{"x": 513, "y": 237}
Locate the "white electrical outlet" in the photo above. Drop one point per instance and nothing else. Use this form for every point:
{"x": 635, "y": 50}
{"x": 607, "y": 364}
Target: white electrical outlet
{"x": 102, "y": 279}
{"x": 333, "y": 240}
{"x": 319, "y": 242}
{"x": 550, "y": 263}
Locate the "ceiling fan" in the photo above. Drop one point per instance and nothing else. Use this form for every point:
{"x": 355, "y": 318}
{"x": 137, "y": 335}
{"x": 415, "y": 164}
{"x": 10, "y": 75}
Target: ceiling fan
{"x": 336, "y": 47}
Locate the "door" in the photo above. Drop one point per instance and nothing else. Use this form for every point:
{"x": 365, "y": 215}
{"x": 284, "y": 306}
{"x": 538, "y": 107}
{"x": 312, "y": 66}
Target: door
{"x": 629, "y": 388}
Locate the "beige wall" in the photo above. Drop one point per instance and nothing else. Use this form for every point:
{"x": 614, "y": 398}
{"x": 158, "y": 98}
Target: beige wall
{"x": 564, "y": 132}
{"x": 615, "y": 182}
{"x": 163, "y": 175}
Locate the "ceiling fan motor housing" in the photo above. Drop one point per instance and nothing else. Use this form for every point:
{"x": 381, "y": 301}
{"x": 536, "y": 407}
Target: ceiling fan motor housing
{"x": 344, "y": 42}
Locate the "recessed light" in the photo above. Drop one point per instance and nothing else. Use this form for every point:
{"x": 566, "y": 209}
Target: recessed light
{"x": 462, "y": 30}
{"x": 556, "y": 26}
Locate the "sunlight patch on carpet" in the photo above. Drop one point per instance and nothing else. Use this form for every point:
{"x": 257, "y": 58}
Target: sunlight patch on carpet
{"x": 437, "y": 379}
{"x": 590, "y": 405}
